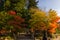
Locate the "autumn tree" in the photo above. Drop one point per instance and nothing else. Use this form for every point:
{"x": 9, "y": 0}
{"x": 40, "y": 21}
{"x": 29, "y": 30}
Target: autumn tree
{"x": 38, "y": 20}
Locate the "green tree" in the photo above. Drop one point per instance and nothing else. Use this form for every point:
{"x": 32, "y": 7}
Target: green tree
{"x": 15, "y": 8}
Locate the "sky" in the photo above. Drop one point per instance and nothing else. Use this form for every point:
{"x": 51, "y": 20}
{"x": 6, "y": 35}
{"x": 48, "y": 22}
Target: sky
{"x": 50, "y": 4}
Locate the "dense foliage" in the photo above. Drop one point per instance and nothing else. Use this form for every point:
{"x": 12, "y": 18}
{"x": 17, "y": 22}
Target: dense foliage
{"x": 18, "y": 14}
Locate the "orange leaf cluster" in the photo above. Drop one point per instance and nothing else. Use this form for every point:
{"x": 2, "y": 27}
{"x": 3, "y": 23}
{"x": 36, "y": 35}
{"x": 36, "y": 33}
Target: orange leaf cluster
{"x": 52, "y": 27}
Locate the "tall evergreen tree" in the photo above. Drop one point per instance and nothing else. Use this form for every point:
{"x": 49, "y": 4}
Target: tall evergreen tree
{"x": 32, "y": 3}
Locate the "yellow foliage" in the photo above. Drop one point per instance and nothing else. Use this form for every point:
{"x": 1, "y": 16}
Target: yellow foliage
{"x": 38, "y": 18}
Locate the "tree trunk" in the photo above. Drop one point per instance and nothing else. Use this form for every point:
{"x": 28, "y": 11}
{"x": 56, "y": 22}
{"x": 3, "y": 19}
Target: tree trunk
{"x": 44, "y": 35}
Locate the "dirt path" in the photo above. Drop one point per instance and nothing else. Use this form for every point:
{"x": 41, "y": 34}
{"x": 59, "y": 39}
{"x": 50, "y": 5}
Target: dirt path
{"x": 58, "y": 38}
